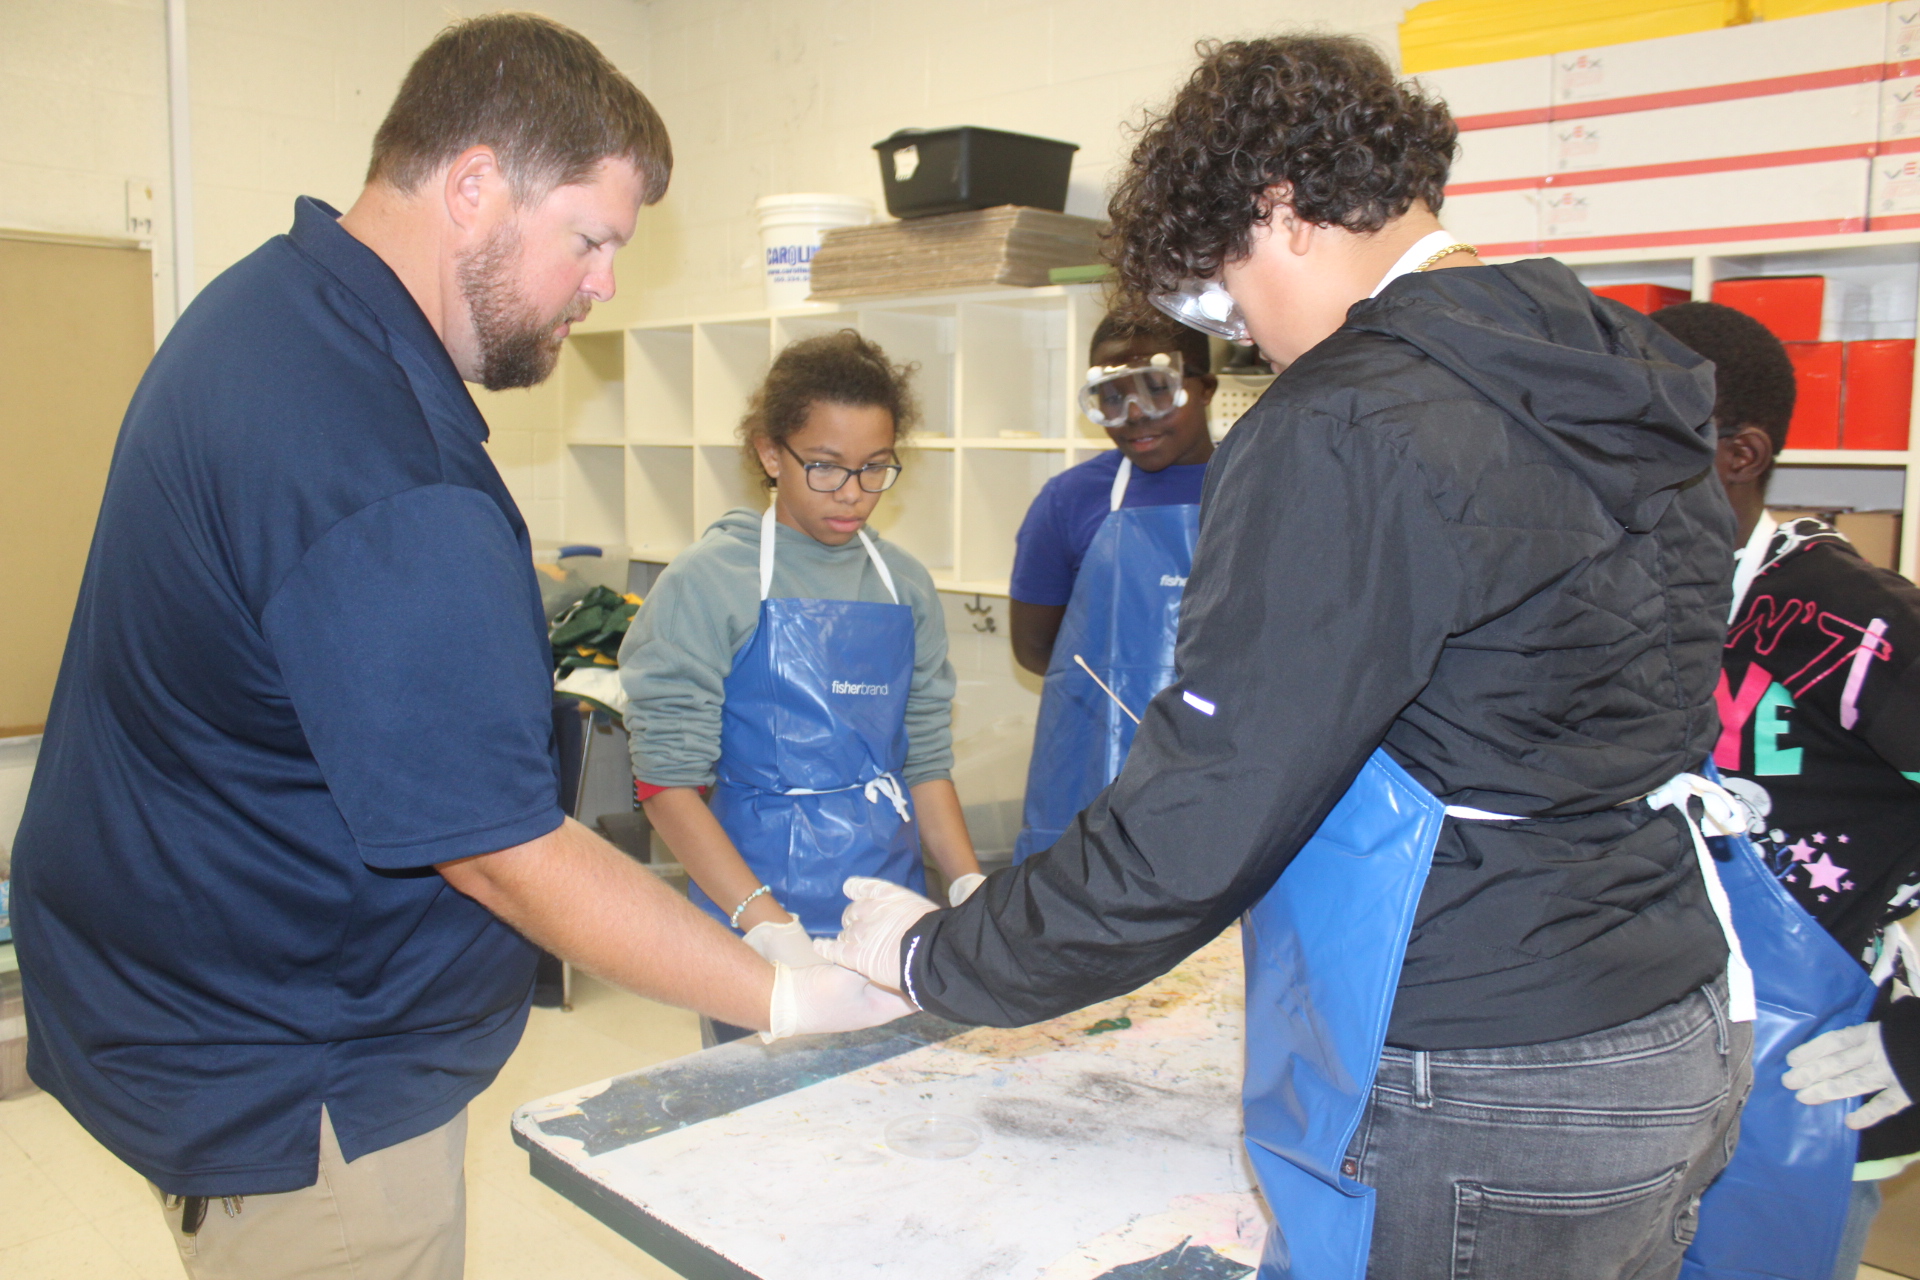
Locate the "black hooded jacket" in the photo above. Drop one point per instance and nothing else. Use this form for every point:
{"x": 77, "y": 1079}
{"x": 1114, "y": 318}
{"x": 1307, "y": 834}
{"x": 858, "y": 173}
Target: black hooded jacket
{"x": 1478, "y": 525}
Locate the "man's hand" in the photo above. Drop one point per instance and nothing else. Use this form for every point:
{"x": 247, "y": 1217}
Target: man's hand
{"x": 876, "y": 919}
{"x": 1845, "y": 1064}
{"x": 825, "y": 997}
{"x": 786, "y": 943}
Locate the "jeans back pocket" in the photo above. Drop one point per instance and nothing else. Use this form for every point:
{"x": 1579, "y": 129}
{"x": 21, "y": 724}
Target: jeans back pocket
{"x": 1531, "y": 1235}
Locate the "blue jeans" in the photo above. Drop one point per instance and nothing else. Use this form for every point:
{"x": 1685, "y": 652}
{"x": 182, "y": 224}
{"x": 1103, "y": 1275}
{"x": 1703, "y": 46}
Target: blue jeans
{"x": 1861, "y": 1212}
{"x": 1580, "y": 1159}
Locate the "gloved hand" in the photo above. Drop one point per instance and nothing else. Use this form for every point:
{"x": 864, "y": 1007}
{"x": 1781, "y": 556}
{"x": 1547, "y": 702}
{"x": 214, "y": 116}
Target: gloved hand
{"x": 871, "y": 927}
{"x": 962, "y": 889}
{"x": 1845, "y": 1064}
{"x": 825, "y": 997}
{"x": 785, "y": 943}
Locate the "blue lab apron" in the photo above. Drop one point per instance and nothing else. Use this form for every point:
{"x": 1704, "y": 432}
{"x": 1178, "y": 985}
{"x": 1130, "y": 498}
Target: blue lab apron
{"x": 1780, "y": 1207}
{"x": 812, "y": 739}
{"x": 1122, "y": 619}
{"x": 1324, "y": 950}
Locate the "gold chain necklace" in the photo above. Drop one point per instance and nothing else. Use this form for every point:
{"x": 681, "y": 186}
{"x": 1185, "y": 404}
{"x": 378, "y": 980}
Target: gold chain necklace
{"x": 1447, "y": 252}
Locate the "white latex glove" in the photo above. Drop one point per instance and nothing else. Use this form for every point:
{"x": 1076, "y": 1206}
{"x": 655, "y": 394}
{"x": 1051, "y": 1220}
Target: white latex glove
{"x": 786, "y": 944}
{"x": 1845, "y": 1064}
{"x": 877, "y": 917}
{"x": 962, "y": 889}
{"x": 825, "y": 997}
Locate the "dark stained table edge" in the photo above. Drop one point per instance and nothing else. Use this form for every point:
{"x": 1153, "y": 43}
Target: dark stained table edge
{"x": 673, "y": 1248}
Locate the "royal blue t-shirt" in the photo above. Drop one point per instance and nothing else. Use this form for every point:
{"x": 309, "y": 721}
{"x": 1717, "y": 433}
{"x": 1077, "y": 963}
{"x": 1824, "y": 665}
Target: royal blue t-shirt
{"x": 307, "y": 663}
{"x": 1068, "y": 511}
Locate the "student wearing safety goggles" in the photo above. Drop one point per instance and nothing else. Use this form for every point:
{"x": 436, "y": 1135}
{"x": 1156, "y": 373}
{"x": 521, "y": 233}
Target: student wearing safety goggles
{"x": 1440, "y": 731}
{"x": 1101, "y": 561}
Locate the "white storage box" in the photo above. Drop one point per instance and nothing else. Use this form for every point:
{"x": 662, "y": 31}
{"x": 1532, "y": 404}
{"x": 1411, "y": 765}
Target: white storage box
{"x": 1844, "y": 40}
{"x": 1900, "y": 108}
{"x": 1804, "y": 199}
{"x": 1835, "y": 119}
{"x": 1903, "y": 36}
{"x": 1494, "y": 94}
{"x": 1894, "y": 202}
{"x": 1517, "y": 152}
{"x": 1498, "y": 223}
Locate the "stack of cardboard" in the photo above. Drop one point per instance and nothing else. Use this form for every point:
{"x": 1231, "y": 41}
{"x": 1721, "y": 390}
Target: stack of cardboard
{"x": 1007, "y": 245}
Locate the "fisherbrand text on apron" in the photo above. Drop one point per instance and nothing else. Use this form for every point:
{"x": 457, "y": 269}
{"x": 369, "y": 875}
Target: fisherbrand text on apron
{"x": 1324, "y": 950}
{"x": 1122, "y": 619}
{"x": 812, "y": 740}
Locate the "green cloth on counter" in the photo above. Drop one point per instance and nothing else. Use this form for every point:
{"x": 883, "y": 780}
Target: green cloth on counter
{"x": 705, "y": 608}
{"x": 589, "y": 633}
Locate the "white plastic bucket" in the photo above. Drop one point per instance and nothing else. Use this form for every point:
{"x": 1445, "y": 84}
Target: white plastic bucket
{"x": 790, "y": 229}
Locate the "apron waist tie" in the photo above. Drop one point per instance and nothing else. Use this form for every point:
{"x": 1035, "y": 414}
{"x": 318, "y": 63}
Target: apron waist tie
{"x": 1724, "y": 814}
{"x": 874, "y": 788}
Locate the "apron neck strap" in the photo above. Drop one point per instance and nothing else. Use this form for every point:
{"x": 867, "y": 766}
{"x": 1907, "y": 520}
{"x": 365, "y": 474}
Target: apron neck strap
{"x": 768, "y": 535}
{"x": 873, "y": 554}
{"x": 1118, "y": 493}
{"x": 1750, "y": 561}
{"x": 766, "y": 551}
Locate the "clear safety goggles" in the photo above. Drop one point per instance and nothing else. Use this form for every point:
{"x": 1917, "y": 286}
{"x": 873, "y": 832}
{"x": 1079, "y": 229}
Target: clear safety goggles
{"x": 1207, "y": 306}
{"x": 1153, "y": 387}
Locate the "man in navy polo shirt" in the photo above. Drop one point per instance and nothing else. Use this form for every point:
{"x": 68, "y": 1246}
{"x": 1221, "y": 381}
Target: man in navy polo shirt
{"x": 297, "y": 781}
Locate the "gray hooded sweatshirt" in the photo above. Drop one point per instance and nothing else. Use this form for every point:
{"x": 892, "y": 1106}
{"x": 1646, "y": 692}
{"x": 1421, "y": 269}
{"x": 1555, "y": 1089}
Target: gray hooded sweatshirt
{"x": 705, "y": 608}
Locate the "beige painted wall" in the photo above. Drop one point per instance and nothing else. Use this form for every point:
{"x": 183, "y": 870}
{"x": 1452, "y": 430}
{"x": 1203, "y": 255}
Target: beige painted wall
{"x": 769, "y": 96}
{"x": 761, "y": 96}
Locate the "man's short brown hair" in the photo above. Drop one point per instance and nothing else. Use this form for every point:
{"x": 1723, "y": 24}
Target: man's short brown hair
{"x": 541, "y": 95}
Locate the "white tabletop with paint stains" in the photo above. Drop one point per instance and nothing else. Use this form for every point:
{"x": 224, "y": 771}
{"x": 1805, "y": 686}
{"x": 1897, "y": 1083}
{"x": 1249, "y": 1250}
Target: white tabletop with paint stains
{"x": 1104, "y": 1145}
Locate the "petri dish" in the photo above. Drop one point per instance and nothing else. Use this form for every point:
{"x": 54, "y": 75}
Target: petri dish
{"x": 933, "y": 1135}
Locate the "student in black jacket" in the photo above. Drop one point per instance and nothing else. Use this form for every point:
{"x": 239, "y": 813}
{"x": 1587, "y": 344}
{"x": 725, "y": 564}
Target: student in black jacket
{"x": 1471, "y": 527}
{"x": 1820, "y": 734}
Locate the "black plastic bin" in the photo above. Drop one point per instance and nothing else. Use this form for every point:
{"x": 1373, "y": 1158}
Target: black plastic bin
{"x": 929, "y": 171}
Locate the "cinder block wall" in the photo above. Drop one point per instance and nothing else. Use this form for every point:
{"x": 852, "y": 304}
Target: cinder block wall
{"x": 770, "y": 96}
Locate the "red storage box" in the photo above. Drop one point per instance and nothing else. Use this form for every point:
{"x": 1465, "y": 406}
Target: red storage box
{"x": 1879, "y": 394}
{"x": 1644, "y": 298}
{"x": 1816, "y": 404}
{"x": 1788, "y": 305}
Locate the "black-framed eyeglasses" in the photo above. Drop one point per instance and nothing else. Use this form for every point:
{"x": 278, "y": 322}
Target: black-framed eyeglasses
{"x": 831, "y": 477}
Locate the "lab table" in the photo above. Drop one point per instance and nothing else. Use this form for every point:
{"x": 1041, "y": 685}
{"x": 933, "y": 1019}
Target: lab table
{"x": 1106, "y": 1143}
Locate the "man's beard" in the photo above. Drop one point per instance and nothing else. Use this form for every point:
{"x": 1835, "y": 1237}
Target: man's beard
{"x": 517, "y": 348}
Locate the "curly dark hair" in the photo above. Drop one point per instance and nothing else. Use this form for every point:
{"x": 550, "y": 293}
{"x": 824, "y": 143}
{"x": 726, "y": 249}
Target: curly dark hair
{"x": 1321, "y": 116}
{"x": 1753, "y": 379}
{"x": 834, "y": 368}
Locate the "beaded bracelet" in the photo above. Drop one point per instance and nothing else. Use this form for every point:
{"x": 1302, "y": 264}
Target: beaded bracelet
{"x": 733, "y": 921}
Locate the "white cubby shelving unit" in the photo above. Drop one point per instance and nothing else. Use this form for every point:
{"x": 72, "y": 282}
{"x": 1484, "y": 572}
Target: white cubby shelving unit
{"x": 1873, "y": 291}
{"x": 651, "y": 412}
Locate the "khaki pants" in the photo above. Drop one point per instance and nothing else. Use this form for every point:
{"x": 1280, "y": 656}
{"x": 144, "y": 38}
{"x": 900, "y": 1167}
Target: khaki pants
{"x": 395, "y": 1214}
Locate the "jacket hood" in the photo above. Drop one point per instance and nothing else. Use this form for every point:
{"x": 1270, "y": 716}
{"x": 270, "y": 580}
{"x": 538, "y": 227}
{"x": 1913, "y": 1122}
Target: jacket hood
{"x": 1622, "y": 402}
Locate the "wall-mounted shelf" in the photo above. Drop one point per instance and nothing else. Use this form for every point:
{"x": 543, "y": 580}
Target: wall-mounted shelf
{"x": 1873, "y": 291}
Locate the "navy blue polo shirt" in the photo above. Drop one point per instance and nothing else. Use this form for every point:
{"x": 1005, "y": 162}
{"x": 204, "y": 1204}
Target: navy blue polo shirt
{"x": 308, "y": 662}
{"x": 1069, "y": 510}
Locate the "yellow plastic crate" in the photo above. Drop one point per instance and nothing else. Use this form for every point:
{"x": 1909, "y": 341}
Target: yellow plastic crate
{"x": 1774, "y": 10}
{"x": 1456, "y": 33}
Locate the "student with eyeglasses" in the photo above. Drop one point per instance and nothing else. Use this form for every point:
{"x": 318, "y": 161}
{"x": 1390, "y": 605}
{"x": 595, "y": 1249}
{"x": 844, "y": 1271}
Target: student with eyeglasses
{"x": 793, "y": 667}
